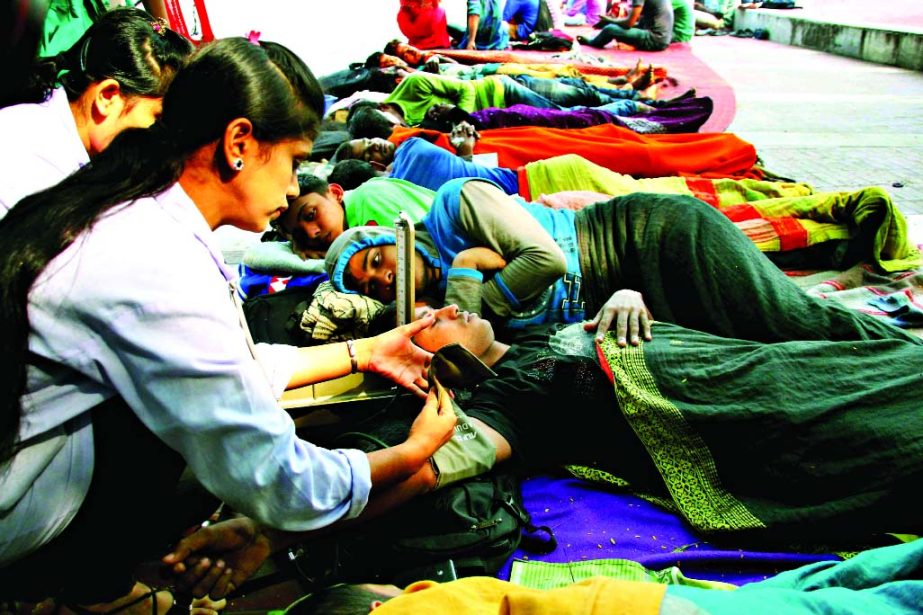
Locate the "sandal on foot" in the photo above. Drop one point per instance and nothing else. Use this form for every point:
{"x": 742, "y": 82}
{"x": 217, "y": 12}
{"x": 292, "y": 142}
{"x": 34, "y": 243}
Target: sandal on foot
{"x": 151, "y": 595}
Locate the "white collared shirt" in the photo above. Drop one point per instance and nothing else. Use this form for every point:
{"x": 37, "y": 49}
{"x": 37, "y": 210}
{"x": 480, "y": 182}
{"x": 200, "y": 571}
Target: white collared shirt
{"x": 141, "y": 307}
{"x": 42, "y": 147}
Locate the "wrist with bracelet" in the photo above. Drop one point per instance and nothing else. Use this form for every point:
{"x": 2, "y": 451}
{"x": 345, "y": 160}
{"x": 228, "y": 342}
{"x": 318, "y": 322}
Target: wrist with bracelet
{"x": 353, "y": 361}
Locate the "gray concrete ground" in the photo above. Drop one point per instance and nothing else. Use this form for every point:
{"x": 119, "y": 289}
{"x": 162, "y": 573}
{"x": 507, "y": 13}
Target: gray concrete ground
{"x": 885, "y": 32}
{"x": 835, "y": 122}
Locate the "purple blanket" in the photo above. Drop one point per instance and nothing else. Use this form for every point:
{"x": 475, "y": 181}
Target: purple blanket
{"x": 679, "y": 116}
{"x": 591, "y": 523}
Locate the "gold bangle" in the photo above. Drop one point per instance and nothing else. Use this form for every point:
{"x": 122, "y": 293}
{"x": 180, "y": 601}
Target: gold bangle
{"x": 353, "y": 362}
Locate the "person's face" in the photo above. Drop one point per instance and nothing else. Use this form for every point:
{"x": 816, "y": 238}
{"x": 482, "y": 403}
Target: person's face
{"x": 139, "y": 112}
{"x": 437, "y": 111}
{"x": 314, "y": 220}
{"x": 374, "y": 272}
{"x": 113, "y": 112}
{"x": 375, "y": 150}
{"x": 451, "y": 326}
{"x": 267, "y": 182}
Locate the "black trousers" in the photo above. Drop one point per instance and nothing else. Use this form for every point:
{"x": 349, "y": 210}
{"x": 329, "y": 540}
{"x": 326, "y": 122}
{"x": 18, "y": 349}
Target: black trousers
{"x": 131, "y": 513}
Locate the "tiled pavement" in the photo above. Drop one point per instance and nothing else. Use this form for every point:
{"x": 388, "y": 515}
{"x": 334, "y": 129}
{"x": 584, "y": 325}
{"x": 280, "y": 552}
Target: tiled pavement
{"x": 835, "y": 122}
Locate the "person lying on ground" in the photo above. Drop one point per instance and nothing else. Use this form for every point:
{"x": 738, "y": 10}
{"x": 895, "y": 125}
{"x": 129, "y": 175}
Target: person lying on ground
{"x": 714, "y": 155}
{"x": 423, "y": 164}
{"x": 370, "y": 120}
{"x": 323, "y": 210}
{"x": 691, "y": 419}
{"x": 419, "y": 91}
{"x": 522, "y": 263}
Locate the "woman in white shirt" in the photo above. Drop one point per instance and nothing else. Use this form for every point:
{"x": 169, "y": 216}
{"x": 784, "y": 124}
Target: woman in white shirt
{"x": 122, "y": 354}
{"x": 113, "y": 78}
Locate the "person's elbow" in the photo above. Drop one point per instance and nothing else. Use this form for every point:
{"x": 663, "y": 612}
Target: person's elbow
{"x": 556, "y": 263}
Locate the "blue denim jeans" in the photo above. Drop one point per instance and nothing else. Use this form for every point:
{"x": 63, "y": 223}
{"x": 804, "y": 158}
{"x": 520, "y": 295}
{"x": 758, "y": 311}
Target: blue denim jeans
{"x": 573, "y": 92}
{"x": 515, "y": 93}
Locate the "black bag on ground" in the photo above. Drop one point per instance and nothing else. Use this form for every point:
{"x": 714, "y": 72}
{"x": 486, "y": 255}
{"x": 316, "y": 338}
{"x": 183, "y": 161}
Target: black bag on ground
{"x": 475, "y": 524}
{"x": 467, "y": 528}
{"x": 543, "y": 41}
{"x": 275, "y": 318}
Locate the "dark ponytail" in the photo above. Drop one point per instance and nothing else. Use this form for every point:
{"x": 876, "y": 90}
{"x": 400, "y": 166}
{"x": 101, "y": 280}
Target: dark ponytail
{"x": 125, "y": 44}
{"x": 225, "y": 80}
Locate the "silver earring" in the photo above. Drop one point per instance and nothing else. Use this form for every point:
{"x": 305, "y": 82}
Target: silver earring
{"x": 238, "y": 164}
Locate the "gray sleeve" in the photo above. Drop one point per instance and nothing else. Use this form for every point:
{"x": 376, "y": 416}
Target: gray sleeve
{"x": 493, "y": 219}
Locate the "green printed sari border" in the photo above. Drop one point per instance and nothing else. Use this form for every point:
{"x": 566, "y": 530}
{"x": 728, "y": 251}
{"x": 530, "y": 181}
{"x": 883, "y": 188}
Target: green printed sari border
{"x": 679, "y": 453}
{"x": 602, "y": 477}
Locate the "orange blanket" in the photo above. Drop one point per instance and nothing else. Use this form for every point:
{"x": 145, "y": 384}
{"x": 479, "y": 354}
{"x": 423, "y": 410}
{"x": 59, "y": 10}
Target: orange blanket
{"x": 622, "y": 150}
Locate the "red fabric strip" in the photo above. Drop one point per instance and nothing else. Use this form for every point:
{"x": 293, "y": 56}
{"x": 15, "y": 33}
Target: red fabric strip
{"x": 739, "y": 213}
{"x": 792, "y": 235}
{"x": 175, "y": 17}
{"x": 207, "y": 34}
{"x": 703, "y": 189}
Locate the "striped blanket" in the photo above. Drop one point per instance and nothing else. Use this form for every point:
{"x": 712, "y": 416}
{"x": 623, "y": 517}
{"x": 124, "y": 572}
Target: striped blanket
{"x": 778, "y": 217}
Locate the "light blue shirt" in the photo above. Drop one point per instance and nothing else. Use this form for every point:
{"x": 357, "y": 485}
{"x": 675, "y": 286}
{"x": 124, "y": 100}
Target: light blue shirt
{"x": 141, "y": 307}
{"x": 43, "y": 147}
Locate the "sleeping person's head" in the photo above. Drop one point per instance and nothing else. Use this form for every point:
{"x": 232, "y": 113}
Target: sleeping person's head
{"x": 378, "y": 152}
{"x": 350, "y": 174}
{"x": 443, "y": 116}
{"x": 455, "y": 326}
{"x": 368, "y": 121}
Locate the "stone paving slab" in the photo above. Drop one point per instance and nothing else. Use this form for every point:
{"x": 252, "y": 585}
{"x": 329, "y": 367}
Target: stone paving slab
{"x": 835, "y": 122}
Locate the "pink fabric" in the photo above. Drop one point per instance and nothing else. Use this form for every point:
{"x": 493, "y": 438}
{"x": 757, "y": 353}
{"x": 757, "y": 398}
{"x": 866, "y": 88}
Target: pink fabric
{"x": 572, "y": 199}
{"x": 423, "y": 23}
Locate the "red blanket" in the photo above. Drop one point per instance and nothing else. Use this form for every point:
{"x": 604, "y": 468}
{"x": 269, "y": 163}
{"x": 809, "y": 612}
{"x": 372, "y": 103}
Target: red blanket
{"x": 622, "y": 150}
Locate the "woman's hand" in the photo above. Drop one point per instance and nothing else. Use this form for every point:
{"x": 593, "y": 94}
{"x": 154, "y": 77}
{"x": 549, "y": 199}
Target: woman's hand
{"x": 631, "y": 317}
{"x": 394, "y": 355}
{"x": 215, "y": 560}
{"x": 435, "y": 424}
{"x": 480, "y": 258}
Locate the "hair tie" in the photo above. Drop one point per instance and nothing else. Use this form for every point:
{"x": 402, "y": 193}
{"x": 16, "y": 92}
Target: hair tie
{"x": 254, "y": 38}
{"x": 159, "y": 25}
{"x": 84, "y": 49}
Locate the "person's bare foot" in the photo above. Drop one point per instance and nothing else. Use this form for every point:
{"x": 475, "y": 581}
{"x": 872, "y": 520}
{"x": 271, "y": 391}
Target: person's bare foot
{"x": 583, "y": 40}
{"x": 637, "y": 70}
{"x": 140, "y": 601}
{"x": 645, "y": 80}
